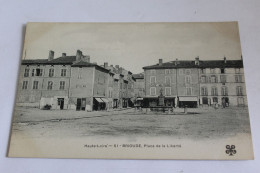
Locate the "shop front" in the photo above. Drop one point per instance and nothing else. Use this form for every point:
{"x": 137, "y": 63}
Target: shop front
{"x": 191, "y": 102}
{"x": 98, "y": 104}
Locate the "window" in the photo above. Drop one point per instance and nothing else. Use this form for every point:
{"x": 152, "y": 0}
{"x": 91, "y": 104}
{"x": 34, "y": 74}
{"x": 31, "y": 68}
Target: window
{"x": 168, "y": 80}
{"x": 223, "y": 79}
{"x": 152, "y": 79}
{"x": 167, "y": 91}
{"x": 50, "y": 83}
{"x": 167, "y": 71}
{"x": 26, "y": 72}
{"x": 224, "y": 91}
{"x": 38, "y": 72}
{"x": 203, "y": 71}
{"x": 180, "y": 71}
{"x": 51, "y": 72}
{"x": 32, "y": 72}
{"x": 212, "y": 70}
{"x": 152, "y": 91}
{"x": 204, "y": 91}
{"x": 101, "y": 80}
{"x": 35, "y": 85}
{"x": 153, "y": 72}
{"x": 214, "y": 91}
{"x": 238, "y": 78}
{"x": 121, "y": 85}
{"x": 187, "y": 71}
{"x": 222, "y": 70}
{"x": 203, "y": 79}
{"x": 79, "y": 73}
{"x": 187, "y": 79}
{"x": 239, "y": 91}
{"x": 188, "y": 91}
{"x": 25, "y": 85}
{"x": 240, "y": 101}
{"x": 213, "y": 79}
{"x": 63, "y": 72}
{"x": 62, "y": 85}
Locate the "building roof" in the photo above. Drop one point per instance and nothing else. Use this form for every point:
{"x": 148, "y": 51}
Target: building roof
{"x": 83, "y": 64}
{"x": 202, "y": 64}
{"x": 61, "y": 60}
{"x": 138, "y": 76}
{"x": 87, "y": 64}
{"x": 67, "y": 60}
{"x": 34, "y": 61}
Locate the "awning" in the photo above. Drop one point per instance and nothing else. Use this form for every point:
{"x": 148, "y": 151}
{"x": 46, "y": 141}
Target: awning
{"x": 140, "y": 99}
{"x": 99, "y": 100}
{"x": 104, "y": 100}
{"x": 188, "y": 99}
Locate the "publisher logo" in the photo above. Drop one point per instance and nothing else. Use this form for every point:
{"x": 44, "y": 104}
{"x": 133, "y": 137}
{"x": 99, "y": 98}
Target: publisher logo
{"x": 231, "y": 150}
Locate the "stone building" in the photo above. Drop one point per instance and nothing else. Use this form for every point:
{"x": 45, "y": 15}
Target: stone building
{"x": 194, "y": 83}
{"x": 139, "y": 91}
{"x": 139, "y": 85}
{"x": 67, "y": 82}
{"x": 122, "y": 86}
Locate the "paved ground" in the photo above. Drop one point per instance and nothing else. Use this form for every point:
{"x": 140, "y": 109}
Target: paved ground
{"x": 199, "y": 123}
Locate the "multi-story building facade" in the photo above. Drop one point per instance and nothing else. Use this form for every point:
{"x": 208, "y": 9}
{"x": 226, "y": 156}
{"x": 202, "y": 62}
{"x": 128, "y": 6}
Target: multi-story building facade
{"x": 139, "y": 91}
{"x": 194, "y": 83}
{"x": 139, "y": 85}
{"x": 122, "y": 86}
{"x": 67, "y": 82}
{"x": 222, "y": 82}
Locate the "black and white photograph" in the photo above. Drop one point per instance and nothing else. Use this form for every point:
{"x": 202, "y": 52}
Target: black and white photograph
{"x": 132, "y": 91}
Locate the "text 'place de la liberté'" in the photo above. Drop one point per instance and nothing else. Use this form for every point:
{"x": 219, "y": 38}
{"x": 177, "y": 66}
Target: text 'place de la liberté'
{"x": 75, "y": 82}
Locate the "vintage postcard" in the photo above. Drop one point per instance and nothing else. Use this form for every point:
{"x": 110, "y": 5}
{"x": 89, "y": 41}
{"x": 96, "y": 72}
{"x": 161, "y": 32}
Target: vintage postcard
{"x": 132, "y": 91}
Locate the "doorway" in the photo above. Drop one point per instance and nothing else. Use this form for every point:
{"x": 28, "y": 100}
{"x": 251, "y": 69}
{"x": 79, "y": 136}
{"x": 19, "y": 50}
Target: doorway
{"x": 225, "y": 102}
{"x": 81, "y": 104}
{"x": 205, "y": 100}
{"x": 61, "y": 103}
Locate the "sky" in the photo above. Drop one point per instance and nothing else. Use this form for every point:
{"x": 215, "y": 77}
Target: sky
{"x": 134, "y": 45}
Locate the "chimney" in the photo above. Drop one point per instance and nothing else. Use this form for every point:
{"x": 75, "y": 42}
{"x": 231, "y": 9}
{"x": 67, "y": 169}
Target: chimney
{"x": 63, "y": 55}
{"x": 197, "y": 60}
{"x": 105, "y": 65}
{"x": 225, "y": 60}
{"x": 85, "y": 58}
{"x": 51, "y": 55}
{"x": 78, "y": 55}
{"x": 160, "y": 62}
